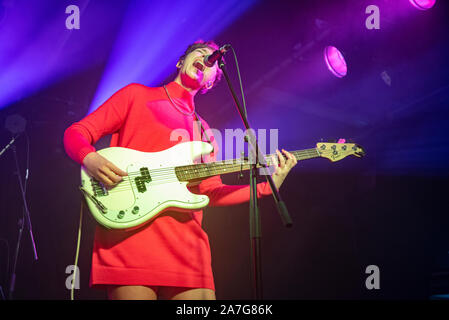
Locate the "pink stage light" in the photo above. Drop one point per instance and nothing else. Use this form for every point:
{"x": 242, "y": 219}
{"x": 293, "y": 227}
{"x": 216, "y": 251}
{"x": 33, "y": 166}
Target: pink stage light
{"x": 423, "y": 4}
{"x": 335, "y": 62}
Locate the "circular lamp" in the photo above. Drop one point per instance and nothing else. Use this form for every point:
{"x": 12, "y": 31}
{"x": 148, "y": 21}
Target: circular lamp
{"x": 335, "y": 62}
{"x": 423, "y": 4}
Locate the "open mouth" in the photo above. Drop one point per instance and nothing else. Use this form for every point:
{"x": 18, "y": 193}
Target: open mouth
{"x": 199, "y": 66}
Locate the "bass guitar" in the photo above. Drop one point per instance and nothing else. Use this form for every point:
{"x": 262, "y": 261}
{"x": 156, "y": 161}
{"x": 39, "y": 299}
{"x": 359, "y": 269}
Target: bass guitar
{"x": 157, "y": 181}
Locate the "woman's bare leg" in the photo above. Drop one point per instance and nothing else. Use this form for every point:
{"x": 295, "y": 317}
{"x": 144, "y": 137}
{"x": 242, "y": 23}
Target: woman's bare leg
{"x": 131, "y": 293}
{"x": 178, "y": 293}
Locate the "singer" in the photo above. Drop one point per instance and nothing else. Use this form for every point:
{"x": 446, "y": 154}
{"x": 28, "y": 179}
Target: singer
{"x": 168, "y": 258}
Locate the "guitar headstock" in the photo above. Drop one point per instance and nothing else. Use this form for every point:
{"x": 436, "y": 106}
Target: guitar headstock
{"x": 335, "y": 151}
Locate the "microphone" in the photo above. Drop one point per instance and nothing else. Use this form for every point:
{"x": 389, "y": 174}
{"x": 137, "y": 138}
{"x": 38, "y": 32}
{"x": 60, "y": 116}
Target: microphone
{"x": 216, "y": 55}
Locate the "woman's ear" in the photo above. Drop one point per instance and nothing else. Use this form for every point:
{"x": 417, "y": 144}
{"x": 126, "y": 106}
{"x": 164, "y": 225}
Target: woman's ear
{"x": 179, "y": 64}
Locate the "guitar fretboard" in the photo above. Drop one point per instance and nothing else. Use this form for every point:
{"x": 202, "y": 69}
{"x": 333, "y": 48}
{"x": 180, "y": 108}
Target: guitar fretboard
{"x": 205, "y": 170}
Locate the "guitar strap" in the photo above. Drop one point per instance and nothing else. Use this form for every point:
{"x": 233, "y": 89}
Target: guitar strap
{"x": 203, "y": 132}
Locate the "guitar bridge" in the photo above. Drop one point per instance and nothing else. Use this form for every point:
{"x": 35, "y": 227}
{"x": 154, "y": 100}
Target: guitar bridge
{"x": 98, "y": 188}
{"x": 94, "y": 200}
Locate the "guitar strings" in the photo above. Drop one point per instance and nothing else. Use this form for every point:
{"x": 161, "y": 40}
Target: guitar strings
{"x": 168, "y": 174}
{"x": 164, "y": 173}
{"x": 168, "y": 171}
{"x": 312, "y": 152}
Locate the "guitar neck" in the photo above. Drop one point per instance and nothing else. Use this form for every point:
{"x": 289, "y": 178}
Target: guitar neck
{"x": 205, "y": 170}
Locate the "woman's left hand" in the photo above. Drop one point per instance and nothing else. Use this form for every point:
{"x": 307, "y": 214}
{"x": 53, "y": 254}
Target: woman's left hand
{"x": 283, "y": 166}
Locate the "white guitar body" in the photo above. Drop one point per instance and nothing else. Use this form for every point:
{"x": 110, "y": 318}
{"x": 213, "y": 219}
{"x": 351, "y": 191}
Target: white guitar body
{"x": 140, "y": 197}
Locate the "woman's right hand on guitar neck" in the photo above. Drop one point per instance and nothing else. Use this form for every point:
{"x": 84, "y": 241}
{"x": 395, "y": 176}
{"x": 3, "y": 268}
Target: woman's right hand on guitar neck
{"x": 102, "y": 169}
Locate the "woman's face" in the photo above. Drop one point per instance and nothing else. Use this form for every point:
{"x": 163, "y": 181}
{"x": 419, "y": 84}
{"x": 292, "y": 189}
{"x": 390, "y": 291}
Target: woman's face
{"x": 194, "y": 74}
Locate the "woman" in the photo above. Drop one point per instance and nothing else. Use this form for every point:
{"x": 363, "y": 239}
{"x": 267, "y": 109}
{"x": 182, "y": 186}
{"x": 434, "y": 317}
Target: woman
{"x": 168, "y": 258}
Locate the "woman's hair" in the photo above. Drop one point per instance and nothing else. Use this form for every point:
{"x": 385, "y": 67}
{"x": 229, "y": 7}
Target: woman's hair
{"x": 203, "y": 44}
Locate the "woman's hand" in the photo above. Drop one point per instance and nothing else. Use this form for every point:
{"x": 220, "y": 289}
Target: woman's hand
{"x": 103, "y": 170}
{"x": 282, "y": 166}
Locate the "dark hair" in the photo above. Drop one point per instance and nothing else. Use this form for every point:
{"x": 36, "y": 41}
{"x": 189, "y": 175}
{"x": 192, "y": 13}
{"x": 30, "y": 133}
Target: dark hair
{"x": 202, "y": 44}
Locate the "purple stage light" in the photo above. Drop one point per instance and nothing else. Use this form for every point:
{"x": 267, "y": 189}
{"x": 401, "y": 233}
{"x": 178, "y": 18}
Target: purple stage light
{"x": 37, "y": 50}
{"x": 153, "y": 36}
{"x": 423, "y": 4}
{"x": 335, "y": 62}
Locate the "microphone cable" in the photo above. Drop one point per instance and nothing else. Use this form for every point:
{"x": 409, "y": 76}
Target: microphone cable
{"x": 240, "y": 81}
{"x": 72, "y": 289}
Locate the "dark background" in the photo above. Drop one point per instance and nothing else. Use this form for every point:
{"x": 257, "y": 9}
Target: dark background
{"x": 388, "y": 209}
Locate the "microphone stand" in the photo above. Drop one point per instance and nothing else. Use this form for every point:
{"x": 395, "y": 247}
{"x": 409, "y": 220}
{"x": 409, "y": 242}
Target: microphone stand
{"x": 22, "y": 222}
{"x": 255, "y": 220}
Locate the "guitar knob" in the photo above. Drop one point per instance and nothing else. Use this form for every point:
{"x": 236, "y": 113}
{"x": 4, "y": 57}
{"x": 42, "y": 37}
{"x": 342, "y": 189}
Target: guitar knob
{"x": 121, "y": 214}
{"x": 135, "y": 210}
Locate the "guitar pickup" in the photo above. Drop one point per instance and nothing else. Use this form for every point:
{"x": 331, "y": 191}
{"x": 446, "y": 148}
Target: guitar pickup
{"x": 142, "y": 179}
{"x": 145, "y": 174}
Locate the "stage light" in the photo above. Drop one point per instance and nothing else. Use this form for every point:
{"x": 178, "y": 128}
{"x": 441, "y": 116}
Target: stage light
{"x": 423, "y": 4}
{"x": 143, "y": 56}
{"x": 335, "y": 62}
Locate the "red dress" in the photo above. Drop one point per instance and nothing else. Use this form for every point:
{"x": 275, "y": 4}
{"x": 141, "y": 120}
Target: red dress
{"x": 173, "y": 249}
